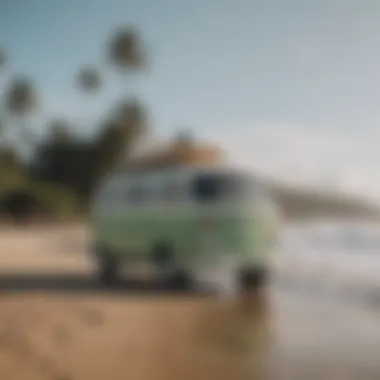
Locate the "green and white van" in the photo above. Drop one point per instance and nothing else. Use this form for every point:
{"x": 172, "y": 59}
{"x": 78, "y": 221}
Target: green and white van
{"x": 184, "y": 222}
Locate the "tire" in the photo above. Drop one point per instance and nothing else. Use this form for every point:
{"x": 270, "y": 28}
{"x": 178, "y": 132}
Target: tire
{"x": 179, "y": 280}
{"x": 253, "y": 278}
{"x": 108, "y": 269}
{"x": 171, "y": 274}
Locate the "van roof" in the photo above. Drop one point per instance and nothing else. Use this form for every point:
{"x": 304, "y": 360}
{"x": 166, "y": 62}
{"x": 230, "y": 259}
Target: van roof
{"x": 184, "y": 157}
{"x": 222, "y": 168}
{"x": 178, "y": 155}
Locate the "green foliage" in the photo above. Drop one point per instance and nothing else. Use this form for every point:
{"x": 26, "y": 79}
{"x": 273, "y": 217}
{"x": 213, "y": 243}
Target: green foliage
{"x": 60, "y": 132}
{"x": 12, "y": 173}
{"x": 65, "y": 169}
{"x": 54, "y": 200}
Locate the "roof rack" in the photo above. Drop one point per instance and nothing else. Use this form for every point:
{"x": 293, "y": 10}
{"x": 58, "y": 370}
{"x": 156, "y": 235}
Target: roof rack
{"x": 176, "y": 155}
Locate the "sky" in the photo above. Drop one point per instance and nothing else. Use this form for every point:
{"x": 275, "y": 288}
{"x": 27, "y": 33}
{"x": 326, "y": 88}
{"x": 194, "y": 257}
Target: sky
{"x": 291, "y": 88}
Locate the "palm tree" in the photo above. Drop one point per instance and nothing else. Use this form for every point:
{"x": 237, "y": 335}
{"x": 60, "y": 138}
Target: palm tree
{"x": 21, "y": 96}
{"x": 20, "y": 101}
{"x": 127, "y": 121}
{"x": 126, "y": 51}
{"x": 3, "y": 130}
{"x": 89, "y": 79}
{"x": 3, "y": 58}
{"x": 60, "y": 131}
{"x": 129, "y": 114}
{"x": 127, "y": 54}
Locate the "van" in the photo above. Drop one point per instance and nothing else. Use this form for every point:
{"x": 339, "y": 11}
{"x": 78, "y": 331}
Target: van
{"x": 184, "y": 220}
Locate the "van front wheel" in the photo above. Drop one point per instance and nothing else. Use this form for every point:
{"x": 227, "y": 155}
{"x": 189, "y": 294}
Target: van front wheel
{"x": 170, "y": 273}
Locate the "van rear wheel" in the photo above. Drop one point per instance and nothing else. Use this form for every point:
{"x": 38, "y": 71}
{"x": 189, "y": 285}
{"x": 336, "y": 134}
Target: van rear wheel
{"x": 253, "y": 278}
{"x": 108, "y": 269}
{"x": 179, "y": 280}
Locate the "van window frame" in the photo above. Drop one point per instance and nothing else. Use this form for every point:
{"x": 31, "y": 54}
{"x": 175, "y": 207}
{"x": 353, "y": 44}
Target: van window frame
{"x": 256, "y": 190}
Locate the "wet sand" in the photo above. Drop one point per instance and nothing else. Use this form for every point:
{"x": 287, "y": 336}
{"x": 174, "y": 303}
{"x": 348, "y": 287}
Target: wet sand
{"x": 129, "y": 335}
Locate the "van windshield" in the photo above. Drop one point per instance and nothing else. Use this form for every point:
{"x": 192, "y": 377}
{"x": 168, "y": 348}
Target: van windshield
{"x": 213, "y": 187}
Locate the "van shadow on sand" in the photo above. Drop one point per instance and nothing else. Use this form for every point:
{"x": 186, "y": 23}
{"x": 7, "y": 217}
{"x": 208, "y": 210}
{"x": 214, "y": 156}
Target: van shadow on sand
{"x": 46, "y": 282}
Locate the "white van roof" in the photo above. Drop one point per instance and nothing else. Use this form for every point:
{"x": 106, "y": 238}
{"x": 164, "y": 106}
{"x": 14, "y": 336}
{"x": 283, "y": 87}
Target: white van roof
{"x": 174, "y": 156}
{"x": 190, "y": 157}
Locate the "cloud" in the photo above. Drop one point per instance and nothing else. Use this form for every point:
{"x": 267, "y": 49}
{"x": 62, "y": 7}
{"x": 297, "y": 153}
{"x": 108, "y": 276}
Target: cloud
{"x": 317, "y": 157}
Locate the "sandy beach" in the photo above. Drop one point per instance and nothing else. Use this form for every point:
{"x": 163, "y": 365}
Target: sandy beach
{"x": 57, "y": 323}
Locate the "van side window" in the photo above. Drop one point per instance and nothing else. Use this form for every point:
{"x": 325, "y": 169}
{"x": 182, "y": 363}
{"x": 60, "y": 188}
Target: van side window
{"x": 209, "y": 187}
{"x": 214, "y": 187}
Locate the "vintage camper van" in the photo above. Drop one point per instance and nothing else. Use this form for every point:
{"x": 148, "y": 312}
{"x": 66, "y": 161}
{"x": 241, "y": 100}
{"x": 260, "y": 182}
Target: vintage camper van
{"x": 183, "y": 213}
